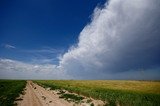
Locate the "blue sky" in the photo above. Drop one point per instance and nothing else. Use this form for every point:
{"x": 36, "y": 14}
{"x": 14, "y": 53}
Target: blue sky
{"x": 32, "y": 24}
{"x": 80, "y": 39}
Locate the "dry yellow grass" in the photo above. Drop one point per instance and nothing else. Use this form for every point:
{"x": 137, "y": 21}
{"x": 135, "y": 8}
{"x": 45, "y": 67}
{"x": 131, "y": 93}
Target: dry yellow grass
{"x": 137, "y": 86}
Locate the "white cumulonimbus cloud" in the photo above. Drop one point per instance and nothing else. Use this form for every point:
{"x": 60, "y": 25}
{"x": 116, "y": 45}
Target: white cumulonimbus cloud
{"x": 122, "y": 41}
{"x": 123, "y": 37}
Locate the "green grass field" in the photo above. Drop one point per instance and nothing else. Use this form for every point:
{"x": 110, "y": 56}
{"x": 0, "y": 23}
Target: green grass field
{"x": 9, "y": 90}
{"x": 114, "y": 92}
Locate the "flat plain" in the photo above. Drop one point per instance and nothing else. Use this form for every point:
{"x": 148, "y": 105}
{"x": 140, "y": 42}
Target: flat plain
{"x": 113, "y": 92}
{"x": 80, "y": 92}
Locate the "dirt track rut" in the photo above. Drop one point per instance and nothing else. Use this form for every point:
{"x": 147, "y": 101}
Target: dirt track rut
{"x": 36, "y": 95}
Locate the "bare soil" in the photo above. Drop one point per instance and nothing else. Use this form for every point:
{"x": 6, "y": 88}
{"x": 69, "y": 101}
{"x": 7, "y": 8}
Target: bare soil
{"x": 35, "y": 95}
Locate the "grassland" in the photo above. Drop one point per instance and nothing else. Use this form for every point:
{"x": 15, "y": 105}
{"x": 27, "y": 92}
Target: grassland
{"x": 9, "y": 90}
{"x": 114, "y": 92}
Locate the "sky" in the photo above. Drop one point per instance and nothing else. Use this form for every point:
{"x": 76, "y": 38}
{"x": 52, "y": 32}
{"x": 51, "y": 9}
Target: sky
{"x": 80, "y": 39}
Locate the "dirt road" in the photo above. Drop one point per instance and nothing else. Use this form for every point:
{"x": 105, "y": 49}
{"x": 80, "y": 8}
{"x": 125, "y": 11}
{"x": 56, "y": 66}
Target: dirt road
{"x": 36, "y": 95}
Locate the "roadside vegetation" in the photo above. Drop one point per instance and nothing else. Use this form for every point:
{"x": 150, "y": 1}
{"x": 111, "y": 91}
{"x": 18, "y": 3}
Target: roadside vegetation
{"x": 72, "y": 97}
{"x": 10, "y": 90}
{"x": 113, "y": 92}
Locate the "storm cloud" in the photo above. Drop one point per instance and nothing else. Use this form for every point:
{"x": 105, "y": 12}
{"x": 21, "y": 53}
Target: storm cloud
{"x": 123, "y": 38}
{"x": 122, "y": 41}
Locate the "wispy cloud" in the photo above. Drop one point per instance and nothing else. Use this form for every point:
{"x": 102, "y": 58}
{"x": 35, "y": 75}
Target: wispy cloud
{"x": 8, "y": 46}
{"x": 45, "y": 50}
{"x": 44, "y": 60}
{"x": 43, "y": 55}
